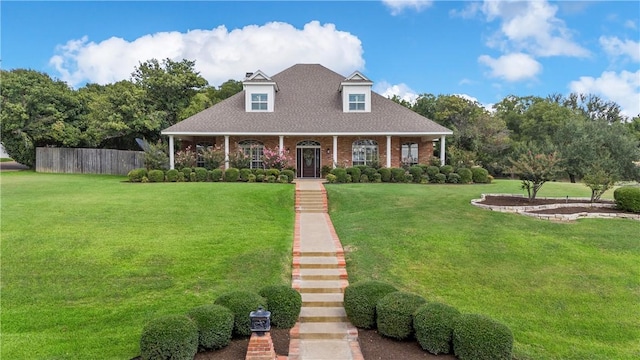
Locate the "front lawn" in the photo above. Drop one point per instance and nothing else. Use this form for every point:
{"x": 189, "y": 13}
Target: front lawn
{"x": 88, "y": 260}
{"x": 567, "y": 290}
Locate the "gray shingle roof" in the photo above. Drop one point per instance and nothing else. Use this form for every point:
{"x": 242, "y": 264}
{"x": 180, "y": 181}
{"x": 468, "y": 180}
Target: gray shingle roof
{"x": 308, "y": 102}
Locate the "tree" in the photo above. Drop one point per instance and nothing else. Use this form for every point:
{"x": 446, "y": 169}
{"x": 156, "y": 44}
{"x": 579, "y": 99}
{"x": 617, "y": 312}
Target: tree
{"x": 169, "y": 86}
{"x": 599, "y": 180}
{"x": 37, "y": 111}
{"x": 117, "y": 116}
{"x": 535, "y": 169}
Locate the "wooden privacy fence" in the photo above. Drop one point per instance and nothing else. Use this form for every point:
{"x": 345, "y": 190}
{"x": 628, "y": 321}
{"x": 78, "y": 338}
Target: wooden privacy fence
{"x": 88, "y": 161}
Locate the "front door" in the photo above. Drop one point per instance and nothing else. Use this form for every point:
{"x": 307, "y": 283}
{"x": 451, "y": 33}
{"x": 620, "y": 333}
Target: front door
{"x": 308, "y": 161}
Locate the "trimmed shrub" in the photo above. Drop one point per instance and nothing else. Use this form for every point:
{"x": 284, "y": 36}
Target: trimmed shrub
{"x": 156, "y": 176}
{"x": 284, "y": 304}
{"x": 446, "y": 169}
{"x": 181, "y": 176}
{"x": 270, "y": 179}
{"x": 231, "y": 175}
{"x": 341, "y": 174}
{"x": 172, "y": 175}
{"x": 453, "y": 178}
{"x": 465, "y": 175}
{"x": 216, "y": 175}
{"x": 370, "y": 172}
{"x": 480, "y": 175}
{"x": 187, "y": 173}
{"x": 241, "y": 303}
{"x": 408, "y": 178}
{"x": 169, "y": 337}
{"x": 432, "y": 171}
{"x": 283, "y": 179}
{"x": 192, "y": 177}
{"x": 272, "y": 172}
{"x": 424, "y": 179}
{"x": 364, "y": 178}
{"x": 440, "y": 178}
{"x": 244, "y": 174}
{"x": 136, "y": 175}
{"x": 478, "y": 337}
{"x": 252, "y": 178}
{"x": 331, "y": 178}
{"x": 628, "y": 198}
{"x": 433, "y": 324}
{"x": 325, "y": 170}
{"x": 394, "y": 314}
{"x": 397, "y": 175}
{"x": 260, "y": 178}
{"x": 416, "y": 171}
{"x": 377, "y": 178}
{"x": 290, "y": 175}
{"x": 144, "y": 179}
{"x": 201, "y": 174}
{"x": 258, "y": 171}
{"x": 349, "y": 179}
{"x": 355, "y": 173}
{"x": 385, "y": 174}
{"x": 215, "y": 325}
{"x": 360, "y": 301}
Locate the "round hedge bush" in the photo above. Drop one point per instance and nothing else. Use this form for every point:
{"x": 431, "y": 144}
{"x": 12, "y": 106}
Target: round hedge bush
{"x": 169, "y": 337}
{"x": 187, "y": 173}
{"x": 231, "y": 175}
{"x": 433, "y": 324}
{"x": 216, "y": 175}
{"x": 284, "y": 304}
{"x": 215, "y": 325}
{"x": 416, "y": 171}
{"x": 385, "y": 174}
{"x": 244, "y": 174}
{"x": 201, "y": 174}
{"x": 432, "y": 171}
{"x": 136, "y": 175}
{"x": 395, "y": 314}
{"x": 453, "y": 178}
{"x": 480, "y": 175}
{"x": 360, "y": 301}
{"x": 341, "y": 175}
{"x": 478, "y": 337}
{"x": 290, "y": 175}
{"x": 397, "y": 175}
{"x": 241, "y": 303}
{"x": 466, "y": 176}
{"x": 440, "y": 178}
{"x": 355, "y": 173}
{"x": 446, "y": 169}
{"x": 273, "y": 172}
{"x": 172, "y": 175}
{"x": 628, "y": 198}
{"x": 156, "y": 176}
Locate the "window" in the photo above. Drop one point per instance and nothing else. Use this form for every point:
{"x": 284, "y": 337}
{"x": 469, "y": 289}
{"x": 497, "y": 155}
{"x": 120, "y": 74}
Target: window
{"x": 410, "y": 153}
{"x": 356, "y": 102}
{"x": 259, "y": 102}
{"x": 365, "y": 152}
{"x": 201, "y": 148}
{"x": 253, "y": 151}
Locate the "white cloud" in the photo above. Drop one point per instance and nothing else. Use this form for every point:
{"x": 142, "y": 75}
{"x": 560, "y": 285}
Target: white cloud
{"x": 622, "y": 88}
{"x": 220, "y": 54}
{"x": 512, "y": 67}
{"x": 403, "y": 91}
{"x": 615, "y": 47}
{"x": 488, "y": 107}
{"x": 398, "y": 6}
{"x": 531, "y": 27}
{"x": 630, "y": 24}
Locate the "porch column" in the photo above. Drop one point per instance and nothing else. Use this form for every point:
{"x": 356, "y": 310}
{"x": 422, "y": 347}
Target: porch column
{"x": 388, "y": 151}
{"x": 281, "y": 145}
{"x": 442, "y": 150}
{"x": 335, "y": 151}
{"x": 171, "y": 155}
{"x": 226, "y": 152}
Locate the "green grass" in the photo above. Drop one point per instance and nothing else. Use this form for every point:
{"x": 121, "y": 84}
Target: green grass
{"x": 567, "y": 290}
{"x": 87, "y": 261}
{"x": 5, "y": 159}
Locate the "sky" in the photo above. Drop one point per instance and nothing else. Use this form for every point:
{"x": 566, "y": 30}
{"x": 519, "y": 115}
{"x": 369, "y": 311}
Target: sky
{"x": 484, "y": 51}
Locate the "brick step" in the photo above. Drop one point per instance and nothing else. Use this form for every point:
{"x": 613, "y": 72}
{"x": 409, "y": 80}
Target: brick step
{"x": 318, "y": 253}
{"x": 320, "y": 286}
{"x": 322, "y": 274}
{"x": 307, "y": 210}
{"x": 323, "y": 314}
{"x": 322, "y": 299}
{"x": 323, "y": 330}
{"x": 318, "y": 262}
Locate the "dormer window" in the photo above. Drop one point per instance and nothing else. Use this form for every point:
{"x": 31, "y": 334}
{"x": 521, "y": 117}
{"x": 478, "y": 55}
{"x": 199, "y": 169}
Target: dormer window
{"x": 356, "y": 102}
{"x": 259, "y": 102}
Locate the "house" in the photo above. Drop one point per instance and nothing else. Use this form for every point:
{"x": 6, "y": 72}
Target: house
{"x": 318, "y": 117}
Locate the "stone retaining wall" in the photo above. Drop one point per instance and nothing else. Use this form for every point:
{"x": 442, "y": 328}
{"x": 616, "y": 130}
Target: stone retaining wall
{"x": 527, "y": 210}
